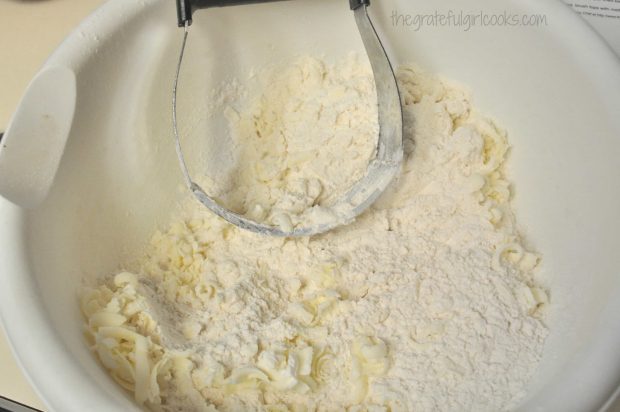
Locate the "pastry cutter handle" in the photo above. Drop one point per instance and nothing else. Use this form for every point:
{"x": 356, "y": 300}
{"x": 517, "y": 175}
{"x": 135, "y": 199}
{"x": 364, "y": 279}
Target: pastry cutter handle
{"x": 185, "y": 8}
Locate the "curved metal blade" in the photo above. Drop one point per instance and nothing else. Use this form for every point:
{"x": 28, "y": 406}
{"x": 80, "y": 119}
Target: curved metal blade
{"x": 381, "y": 169}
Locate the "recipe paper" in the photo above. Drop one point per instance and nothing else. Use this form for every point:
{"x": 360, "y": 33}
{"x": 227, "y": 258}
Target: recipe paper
{"x": 603, "y": 16}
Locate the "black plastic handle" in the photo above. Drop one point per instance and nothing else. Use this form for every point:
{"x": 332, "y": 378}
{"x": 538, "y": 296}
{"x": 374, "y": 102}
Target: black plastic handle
{"x": 186, "y": 8}
{"x": 356, "y": 4}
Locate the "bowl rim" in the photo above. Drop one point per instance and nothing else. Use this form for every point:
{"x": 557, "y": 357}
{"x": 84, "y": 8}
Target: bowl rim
{"x": 20, "y": 302}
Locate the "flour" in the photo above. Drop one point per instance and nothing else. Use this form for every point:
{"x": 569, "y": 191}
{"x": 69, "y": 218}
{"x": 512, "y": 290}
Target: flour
{"x": 288, "y": 142}
{"x": 428, "y": 302}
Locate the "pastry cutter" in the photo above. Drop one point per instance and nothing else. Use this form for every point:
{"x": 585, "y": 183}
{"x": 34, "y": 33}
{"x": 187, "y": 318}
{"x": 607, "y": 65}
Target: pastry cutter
{"x": 381, "y": 168}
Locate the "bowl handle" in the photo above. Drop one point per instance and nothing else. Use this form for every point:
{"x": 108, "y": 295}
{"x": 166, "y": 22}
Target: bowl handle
{"x": 31, "y": 148}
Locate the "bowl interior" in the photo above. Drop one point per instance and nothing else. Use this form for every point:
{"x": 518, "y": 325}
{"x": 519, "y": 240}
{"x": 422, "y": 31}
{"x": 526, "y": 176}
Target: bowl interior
{"x": 119, "y": 177}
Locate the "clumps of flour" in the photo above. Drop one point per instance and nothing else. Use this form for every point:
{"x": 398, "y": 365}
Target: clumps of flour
{"x": 428, "y": 302}
{"x": 304, "y": 138}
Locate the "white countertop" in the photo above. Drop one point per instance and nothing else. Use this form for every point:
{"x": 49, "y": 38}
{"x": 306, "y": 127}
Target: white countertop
{"x": 29, "y": 31}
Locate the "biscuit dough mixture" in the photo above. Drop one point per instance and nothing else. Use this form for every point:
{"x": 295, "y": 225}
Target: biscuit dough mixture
{"x": 428, "y": 302}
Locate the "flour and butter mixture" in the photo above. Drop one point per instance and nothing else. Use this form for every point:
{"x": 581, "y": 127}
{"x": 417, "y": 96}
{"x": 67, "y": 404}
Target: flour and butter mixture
{"x": 428, "y": 302}
{"x": 297, "y": 145}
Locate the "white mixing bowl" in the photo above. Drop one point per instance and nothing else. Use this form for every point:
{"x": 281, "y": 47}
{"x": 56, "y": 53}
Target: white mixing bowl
{"x": 555, "y": 88}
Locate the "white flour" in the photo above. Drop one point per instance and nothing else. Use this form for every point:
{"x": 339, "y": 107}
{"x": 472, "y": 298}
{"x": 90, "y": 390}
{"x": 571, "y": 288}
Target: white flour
{"x": 288, "y": 142}
{"x": 426, "y": 303}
